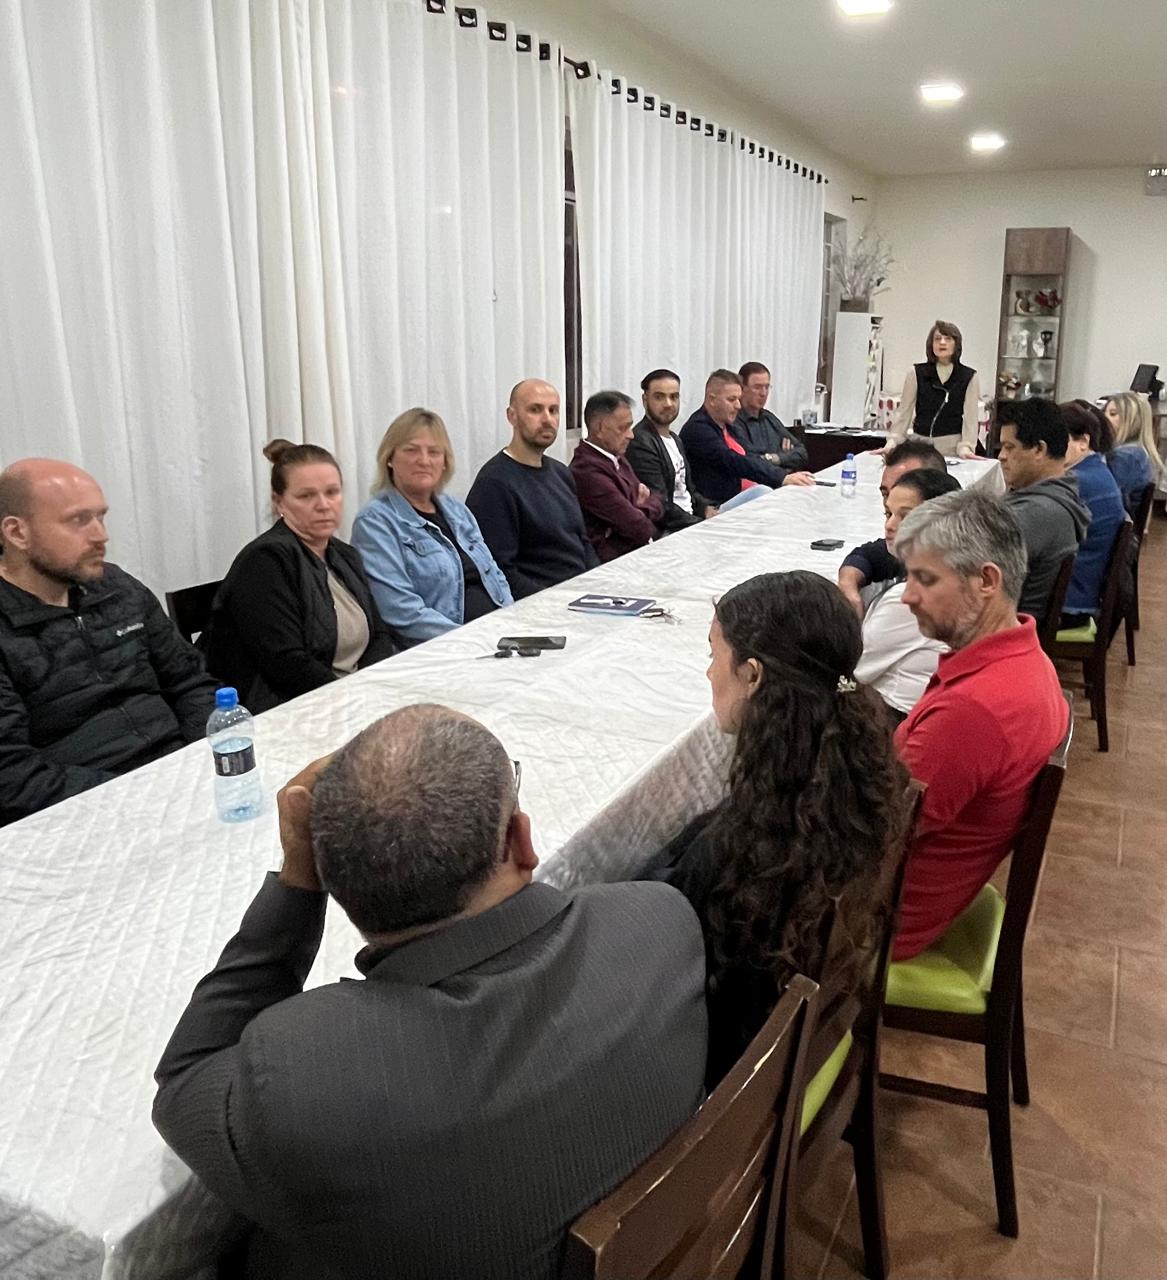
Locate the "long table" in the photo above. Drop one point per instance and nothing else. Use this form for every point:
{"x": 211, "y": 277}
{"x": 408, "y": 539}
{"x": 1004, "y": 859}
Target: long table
{"x": 114, "y": 903}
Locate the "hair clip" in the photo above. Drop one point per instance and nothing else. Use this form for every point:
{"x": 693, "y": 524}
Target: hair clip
{"x": 846, "y": 685}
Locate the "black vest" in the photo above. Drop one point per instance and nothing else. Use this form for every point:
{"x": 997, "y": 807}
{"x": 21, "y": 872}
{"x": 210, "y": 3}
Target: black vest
{"x": 940, "y": 405}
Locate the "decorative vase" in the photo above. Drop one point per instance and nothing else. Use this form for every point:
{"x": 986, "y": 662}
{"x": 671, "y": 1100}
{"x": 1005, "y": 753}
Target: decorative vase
{"x": 855, "y": 304}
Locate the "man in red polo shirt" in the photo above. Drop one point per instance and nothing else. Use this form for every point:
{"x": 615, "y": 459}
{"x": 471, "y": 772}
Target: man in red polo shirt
{"x": 991, "y": 715}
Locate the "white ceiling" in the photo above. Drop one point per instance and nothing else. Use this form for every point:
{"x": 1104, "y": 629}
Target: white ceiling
{"x": 1070, "y": 83}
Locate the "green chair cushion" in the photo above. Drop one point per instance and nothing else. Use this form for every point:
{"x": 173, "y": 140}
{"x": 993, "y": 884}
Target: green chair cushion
{"x": 955, "y": 973}
{"x": 824, "y": 1079}
{"x": 1078, "y": 635}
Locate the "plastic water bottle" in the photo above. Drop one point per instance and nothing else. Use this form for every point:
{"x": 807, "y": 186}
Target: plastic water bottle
{"x": 231, "y": 733}
{"x": 849, "y": 477}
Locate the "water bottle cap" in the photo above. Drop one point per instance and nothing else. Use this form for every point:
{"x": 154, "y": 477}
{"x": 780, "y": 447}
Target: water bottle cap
{"x": 850, "y": 457}
{"x": 226, "y": 698}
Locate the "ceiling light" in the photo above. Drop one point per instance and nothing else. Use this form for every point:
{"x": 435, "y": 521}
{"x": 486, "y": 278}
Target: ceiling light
{"x": 941, "y": 93}
{"x": 863, "y": 8}
{"x": 986, "y": 142}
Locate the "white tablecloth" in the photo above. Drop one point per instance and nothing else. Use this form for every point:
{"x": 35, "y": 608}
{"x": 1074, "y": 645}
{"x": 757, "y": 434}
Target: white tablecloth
{"x": 113, "y": 904}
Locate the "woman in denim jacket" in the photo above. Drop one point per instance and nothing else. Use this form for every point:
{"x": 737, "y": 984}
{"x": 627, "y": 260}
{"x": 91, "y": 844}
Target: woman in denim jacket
{"x": 425, "y": 558}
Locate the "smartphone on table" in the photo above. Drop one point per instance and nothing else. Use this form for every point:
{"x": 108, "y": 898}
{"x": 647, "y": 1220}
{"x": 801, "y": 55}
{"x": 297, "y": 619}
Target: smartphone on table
{"x": 535, "y": 642}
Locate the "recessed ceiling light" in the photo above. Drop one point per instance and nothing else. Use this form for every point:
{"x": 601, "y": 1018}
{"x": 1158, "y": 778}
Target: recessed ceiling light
{"x": 863, "y": 8}
{"x": 941, "y": 93}
{"x": 986, "y": 142}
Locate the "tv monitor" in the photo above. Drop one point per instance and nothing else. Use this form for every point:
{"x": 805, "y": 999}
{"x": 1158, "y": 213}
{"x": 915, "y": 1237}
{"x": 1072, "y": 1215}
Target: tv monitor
{"x": 1146, "y": 381}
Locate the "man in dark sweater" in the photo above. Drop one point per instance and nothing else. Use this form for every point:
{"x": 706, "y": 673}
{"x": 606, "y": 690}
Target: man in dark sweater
{"x": 764, "y": 433}
{"x": 526, "y": 503}
{"x": 94, "y": 678}
{"x": 874, "y": 561}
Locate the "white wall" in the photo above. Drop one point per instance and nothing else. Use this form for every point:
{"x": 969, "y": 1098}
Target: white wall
{"x": 948, "y": 237}
{"x": 585, "y": 30}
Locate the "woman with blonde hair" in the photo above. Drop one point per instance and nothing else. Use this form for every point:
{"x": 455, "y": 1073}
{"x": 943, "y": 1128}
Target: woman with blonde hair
{"x": 426, "y": 559}
{"x": 1134, "y": 461}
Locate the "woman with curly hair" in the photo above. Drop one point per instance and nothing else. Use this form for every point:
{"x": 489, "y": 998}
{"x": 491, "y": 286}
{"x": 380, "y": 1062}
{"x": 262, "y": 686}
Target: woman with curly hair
{"x": 815, "y": 803}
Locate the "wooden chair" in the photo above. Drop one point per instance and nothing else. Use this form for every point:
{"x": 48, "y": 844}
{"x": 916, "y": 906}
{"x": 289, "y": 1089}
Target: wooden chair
{"x": 1047, "y": 633}
{"x": 190, "y": 608}
{"x": 694, "y": 1210}
{"x": 1089, "y": 644}
{"x": 968, "y": 986}
{"x": 841, "y": 1096}
{"x": 1141, "y": 515}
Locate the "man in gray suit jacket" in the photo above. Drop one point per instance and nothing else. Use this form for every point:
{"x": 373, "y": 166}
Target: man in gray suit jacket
{"x": 511, "y": 1055}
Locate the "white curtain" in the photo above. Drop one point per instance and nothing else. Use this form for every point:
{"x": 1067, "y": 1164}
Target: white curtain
{"x": 129, "y": 318}
{"x": 449, "y": 172}
{"x": 695, "y": 252}
{"x": 225, "y": 221}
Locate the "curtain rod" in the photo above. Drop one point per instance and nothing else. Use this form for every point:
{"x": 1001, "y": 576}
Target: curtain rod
{"x": 468, "y": 16}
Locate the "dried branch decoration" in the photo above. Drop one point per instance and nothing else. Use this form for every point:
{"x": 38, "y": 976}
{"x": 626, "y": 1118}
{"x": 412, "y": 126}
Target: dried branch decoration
{"x": 860, "y": 269}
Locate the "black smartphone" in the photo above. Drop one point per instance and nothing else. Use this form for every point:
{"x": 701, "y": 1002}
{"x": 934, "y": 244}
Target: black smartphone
{"x": 536, "y": 642}
{"x": 826, "y": 484}
{"x": 826, "y": 544}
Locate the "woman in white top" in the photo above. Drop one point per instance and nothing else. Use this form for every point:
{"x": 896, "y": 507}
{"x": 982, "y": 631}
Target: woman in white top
{"x": 940, "y": 397}
{"x": 898, "y": 661}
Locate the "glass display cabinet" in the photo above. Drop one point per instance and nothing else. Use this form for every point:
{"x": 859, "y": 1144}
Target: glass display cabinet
{"x": 1033, "y": 302}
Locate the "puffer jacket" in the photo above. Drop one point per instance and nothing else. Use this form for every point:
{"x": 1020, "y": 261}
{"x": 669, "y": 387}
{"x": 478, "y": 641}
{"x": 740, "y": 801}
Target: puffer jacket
{"x": 90, "y": 690}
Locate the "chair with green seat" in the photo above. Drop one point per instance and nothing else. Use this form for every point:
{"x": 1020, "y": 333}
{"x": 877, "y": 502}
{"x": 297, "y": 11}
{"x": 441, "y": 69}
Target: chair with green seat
{"x": 1047, "y": 633}
{"x": 841, "y": 1094}
{"x": 968, "y": 986}
{"x": 1089, "y": 644}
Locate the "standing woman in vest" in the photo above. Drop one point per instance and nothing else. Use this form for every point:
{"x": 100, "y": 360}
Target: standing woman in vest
{"x": 940, "y": 397}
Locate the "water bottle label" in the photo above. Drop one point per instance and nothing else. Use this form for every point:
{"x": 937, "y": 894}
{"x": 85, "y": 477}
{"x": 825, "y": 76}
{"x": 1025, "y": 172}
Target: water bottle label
{"x": 230, "y": 764}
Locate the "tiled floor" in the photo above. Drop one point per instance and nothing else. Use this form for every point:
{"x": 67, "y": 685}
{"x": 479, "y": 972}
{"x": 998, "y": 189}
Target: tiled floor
{"x": 1091, "y": 1148}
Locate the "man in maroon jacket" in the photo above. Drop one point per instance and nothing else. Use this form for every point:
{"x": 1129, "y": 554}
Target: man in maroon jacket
{"x": 620, "y": 513}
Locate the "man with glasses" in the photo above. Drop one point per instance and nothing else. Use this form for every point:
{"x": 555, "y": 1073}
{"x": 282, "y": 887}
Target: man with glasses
{"x": 763, "y": 433}
{"x": 512, "y": 1053}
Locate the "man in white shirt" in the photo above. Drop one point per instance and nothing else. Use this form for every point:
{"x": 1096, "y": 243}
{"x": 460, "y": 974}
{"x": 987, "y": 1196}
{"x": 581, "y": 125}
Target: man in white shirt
{"x": 898, "y": 660}
{"x": 658, "y": 457}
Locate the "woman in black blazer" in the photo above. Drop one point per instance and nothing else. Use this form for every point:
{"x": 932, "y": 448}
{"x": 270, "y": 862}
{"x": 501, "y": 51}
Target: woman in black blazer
{"x": 295, "y": 610}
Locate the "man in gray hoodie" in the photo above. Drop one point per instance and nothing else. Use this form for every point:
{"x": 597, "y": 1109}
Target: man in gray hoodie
{"x": 1042, "y": 495}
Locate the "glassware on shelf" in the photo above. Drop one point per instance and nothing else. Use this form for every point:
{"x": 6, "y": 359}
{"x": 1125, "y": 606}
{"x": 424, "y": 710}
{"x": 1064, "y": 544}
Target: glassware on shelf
{"x": 1047, "y": 301}
{"x": 1009, "y": 384}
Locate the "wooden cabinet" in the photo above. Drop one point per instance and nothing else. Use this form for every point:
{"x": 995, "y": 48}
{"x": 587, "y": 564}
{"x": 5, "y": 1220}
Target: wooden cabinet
{"x": 1033, "y": 303}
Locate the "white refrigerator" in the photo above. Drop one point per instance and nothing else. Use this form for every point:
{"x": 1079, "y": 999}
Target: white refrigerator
{"x": 857, "y": 373}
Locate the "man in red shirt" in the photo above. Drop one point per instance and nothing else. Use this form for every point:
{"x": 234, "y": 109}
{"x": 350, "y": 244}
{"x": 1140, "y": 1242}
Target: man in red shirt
{"x": 991, "y": 715}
